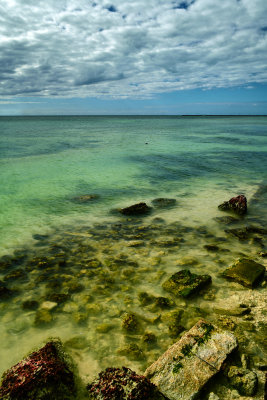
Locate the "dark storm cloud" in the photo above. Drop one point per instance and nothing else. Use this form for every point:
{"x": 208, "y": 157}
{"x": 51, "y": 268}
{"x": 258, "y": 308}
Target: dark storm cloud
{"x": 130, "y": 49}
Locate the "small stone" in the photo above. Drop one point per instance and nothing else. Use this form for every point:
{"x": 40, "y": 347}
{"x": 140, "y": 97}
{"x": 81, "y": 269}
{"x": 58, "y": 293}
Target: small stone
{"x": 86, "y": 198}
{"x": 184, "y": 283}
{"x": 80, "y": 317}
{"x": 213, "y": 396}
{"x": 246, "y": 272}
{"x": 211, "y": 247}
{"x": 48, "y": 305}
{"x": 104, "y": 328}
{"x": 42, "y": 317}
{"x": 244, "y": 380}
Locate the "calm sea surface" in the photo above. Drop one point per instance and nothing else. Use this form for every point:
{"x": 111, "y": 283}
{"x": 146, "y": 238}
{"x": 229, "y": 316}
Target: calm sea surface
{"x": 53, "y": 244}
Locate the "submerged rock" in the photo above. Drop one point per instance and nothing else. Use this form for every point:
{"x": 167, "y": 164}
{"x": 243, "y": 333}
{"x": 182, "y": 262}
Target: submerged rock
{"x": 136, "y": 209}
{"x": 236, "y": 204}
{"x": 184, "y": 283}
{"x": 122, "y": 383}
{"x": 45, "y": 374}
{"x": 163, "y": 202}
{"x": 182, "y": 371}
{"x": 246, "y": 272}
{"x": 85, "y": 198}
{"x": 244, "y": 380}
{"x": 5, "y": 293}
{"x": 130, "y": 322}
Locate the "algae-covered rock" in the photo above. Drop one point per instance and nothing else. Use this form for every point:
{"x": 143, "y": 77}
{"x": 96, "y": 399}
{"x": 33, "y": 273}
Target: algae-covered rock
{"x": 236, "y": 204}
{"x": 136, "y": 209}
{"x": 132, "y": 351}
{"x": 244, "y": 380}
{"x": 145, "y": 298}
{"x": 58, "y": 297}
{"x": 44, "y": 374}
{"x": 130, "y": 322}
{"x": 184, "y": 283}
{"x": 122, "y": 383}
{"x": 149, "y": 338}
{"x": 104, "y": 328}
{"x": 246, "y": 272}
{"x": 183, "y": 370}
{"x": 42, "y": 317}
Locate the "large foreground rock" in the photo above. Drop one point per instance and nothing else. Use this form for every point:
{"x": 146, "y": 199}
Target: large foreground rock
{"x": 45, "y": 374}
{"x": 237, "y": 204}
{"x": 246, "y": 272}
{"x": 122, "y": 383}
{"x": 184, "y": 283}
{"x": 182, "y": 371}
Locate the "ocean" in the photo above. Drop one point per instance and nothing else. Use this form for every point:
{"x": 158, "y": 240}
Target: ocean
{"x": 74, "y": 266}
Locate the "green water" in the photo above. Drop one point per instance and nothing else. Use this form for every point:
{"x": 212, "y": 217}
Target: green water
{"x": 46, "y": 162}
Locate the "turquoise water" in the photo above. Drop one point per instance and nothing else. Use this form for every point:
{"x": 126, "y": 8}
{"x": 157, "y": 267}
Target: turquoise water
{"x": 46, "y": 162}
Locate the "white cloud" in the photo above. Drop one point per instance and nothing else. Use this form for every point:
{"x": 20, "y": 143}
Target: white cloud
{"x": 130, "y": 49}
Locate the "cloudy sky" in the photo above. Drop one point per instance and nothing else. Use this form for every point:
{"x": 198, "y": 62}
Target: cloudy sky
{"x": 133, "y": 57}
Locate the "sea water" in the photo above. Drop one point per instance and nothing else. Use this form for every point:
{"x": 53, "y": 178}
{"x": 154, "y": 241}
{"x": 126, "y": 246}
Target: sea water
{"x": 102, "y": 260}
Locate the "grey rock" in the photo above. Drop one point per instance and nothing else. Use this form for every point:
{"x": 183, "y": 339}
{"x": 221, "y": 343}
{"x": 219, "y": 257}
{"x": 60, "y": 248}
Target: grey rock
{"x": 182, "y": 371}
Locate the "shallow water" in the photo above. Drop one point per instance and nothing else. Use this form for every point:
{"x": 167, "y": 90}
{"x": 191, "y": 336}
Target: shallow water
{"x": 100, "y": 260}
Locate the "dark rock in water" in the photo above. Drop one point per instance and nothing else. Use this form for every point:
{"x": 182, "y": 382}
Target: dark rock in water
{"x": 122, "y": 383}
{"x": 45, "y": 374}
{"x": 58, "y": 297}
{"x": 183, "y": 370}
{"x": 227, "y": 220}
{"x": 37, "y": 236}
{"x": 246, "y": 272}
{"x": 30, "y": 305}
{"x": 5, "y": 293}
{"x": 247, "y": 232}
{"x": 18, "y": 274}
{"x": 163, "y": 202}
{"x": 236, "y": 204}
{"x": 86, "y": 198}
{"x": 136, "y": 209}
{"x": 211, "y": 247}
{"x": 184, "y": 283}
{"x": 244, "y": 380}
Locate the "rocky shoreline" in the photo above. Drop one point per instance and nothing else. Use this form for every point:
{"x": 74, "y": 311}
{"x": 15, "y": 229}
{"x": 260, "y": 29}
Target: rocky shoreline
{"x": 90, "y": 275}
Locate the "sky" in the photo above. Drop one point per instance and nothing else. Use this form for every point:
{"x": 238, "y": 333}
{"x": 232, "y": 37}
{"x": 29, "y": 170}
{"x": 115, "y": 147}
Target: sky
{"x": 171, "y": 57}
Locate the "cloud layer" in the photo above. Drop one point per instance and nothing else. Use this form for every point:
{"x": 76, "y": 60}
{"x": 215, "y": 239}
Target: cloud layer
{"x": 124, "y": 49}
